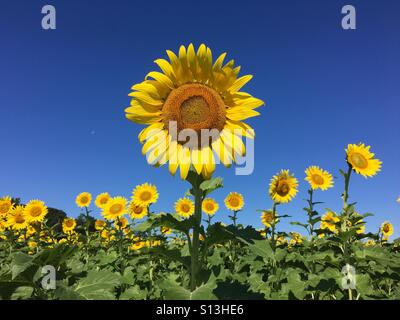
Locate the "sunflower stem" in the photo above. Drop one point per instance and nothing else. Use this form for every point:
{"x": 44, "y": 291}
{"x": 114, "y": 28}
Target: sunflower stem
{"x": 198, "y": 195}
{"x": 346, "y": 186}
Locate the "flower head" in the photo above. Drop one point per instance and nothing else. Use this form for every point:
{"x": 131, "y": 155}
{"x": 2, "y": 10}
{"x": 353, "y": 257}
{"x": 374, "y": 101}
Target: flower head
{"x": 17, "y": 219}
{"x": 267, "y": 218}
{"x": 283, "y": 187}
{"x": 102, "y": 199}
{"x": 144, "y": 195}
{"x": 193, "y": 93}
{"x": 234, "y": 201}
{"x": 184, "y": 207}
{"x": 387, "y": 229}
{"x": 68, "y": 225}
{"x": 362, "y": 160}
{"x": 115, "y": 208}
{"x": 83, "y": 199}
{"x": 35, "y": 211}
{"x": 318, "y": 178}
{"x": 210, "y": 206}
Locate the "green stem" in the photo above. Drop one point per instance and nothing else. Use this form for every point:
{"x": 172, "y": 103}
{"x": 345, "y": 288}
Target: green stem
{"x": 346, "y": 186}
{"x": 273, "y": 226}
{"x": 310, "y": 212}
{"x": 196, "y": 233}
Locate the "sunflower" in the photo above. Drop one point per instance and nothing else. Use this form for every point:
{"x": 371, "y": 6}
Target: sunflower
{"x": 68, "y": 225}
{"x": 210, "y": 206}
{"x": 370, "y": 243}
{"x": 193, "y": 93}
{"x": 115, "y": 208}
{"x": 234, "y": 201}
{"x": 102, "y": 199}
{"x": 35, "y": 211}
{"x": 184, "y": 207}
{"x": 100, "y": 224}
{"x": 17, "y": 218}
{"x": 121, "y": 223}
{"x": 83, "y": 199}
{"x": 318, "y": 178}
{"x": 137, "y": 212}
{"x": 6, "y": 206}
{"x": 329, "y": 220}
{"x": 283, "y": 187}
{"x": 362, "y": 160}
{"x": 387, "y": 229}
{"x": 398, "y": 199}
{"x": 144, "y": 195}
{"x": 267, "y": 218}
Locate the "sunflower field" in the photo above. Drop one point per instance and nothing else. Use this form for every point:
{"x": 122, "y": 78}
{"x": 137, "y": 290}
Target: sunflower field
{"x": 135, "y": 252}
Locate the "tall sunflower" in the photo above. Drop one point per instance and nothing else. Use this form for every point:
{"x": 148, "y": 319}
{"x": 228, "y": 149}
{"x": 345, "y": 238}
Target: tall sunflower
{"x": 115, "y": 208}
{"x": 283, "y": 187}
{"x": 329, "y": 220}
{"x": 102, "y": 199}
{"x": 210, "y": 206}
{"x": 144, "y": 195}
{"x": 17, "y": 219}
{"x": 83, "y": 199}
{"x": 192, "y": 92}
{"x": 362, "y": 160}
{"x": 184, "y": 207}
{"x": 267, "y": 218}
{"x": 318, "y": 178}
{"x": 234, "y": 201}
{"x": 35, "y": 211}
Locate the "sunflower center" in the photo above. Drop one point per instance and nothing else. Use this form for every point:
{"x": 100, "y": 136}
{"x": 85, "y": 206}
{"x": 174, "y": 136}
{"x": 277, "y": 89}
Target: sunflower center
{"x": 359, "y": 160}
{"x": 194, "y": 106}
{"x": 36, "y": 211}
{"x": 318, "y": 179}
{"x": 386, "y": 228}
{"x": 209, "y": 206}
{"x": 185, "y": 207}
{"x": 5, "y": 207}
{"x": 145, "y": 196}
{"x": 103, "y": 200}
{"x": 115, "y": 208}
{"x": 138, "y": 210}
{"x": 234, "y": 202}
{"x": 283, "y": 188}
{"x": 19, "y": 219}
{"x": 69, "y": 223}
{"x": 84, "y": 199}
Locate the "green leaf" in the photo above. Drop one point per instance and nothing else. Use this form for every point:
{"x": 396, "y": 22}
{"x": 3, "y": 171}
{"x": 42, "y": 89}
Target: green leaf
{"x": 20, "y": 263}
{"x": 209, "y": 186}
{"x": 22, "y": 293}
{"x": 173, "y": 291}
{"x": 98, "y": 285}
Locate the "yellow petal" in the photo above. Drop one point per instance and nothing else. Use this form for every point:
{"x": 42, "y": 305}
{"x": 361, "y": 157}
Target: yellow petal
{"x": 239, "y": 83}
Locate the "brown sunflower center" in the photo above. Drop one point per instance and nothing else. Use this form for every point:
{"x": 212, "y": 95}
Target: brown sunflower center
{"x": 138, "y": 210}
{"x": 145, "y": 196}
{"x": 386, "y": 228}
{"x": 185, "y": 207}
{"x": 19, "y": 219}
{"x": 69, "y": 223}
{"x": 84, "y": 199}
{"x": 103, "y": 200}
{"x": 318, "y": 179}
{"x": 36, "y": 211}
{"x": 210, "y": 206}
{"x": 282, "y": 188}
{"x": 194, "y": 106}
{"x": 234, "y": 202}
{"x": 116, "y": 208}
{"x": 359, "y": 160}
{"x": 4, "y": 207}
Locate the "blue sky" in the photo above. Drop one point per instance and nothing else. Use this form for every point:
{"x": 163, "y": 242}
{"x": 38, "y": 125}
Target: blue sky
{"x": 63, "y": 94}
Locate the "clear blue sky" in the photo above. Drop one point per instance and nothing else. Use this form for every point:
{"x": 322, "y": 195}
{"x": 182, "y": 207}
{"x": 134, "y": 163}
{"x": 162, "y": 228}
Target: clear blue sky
{"x": 63, "y": 94}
